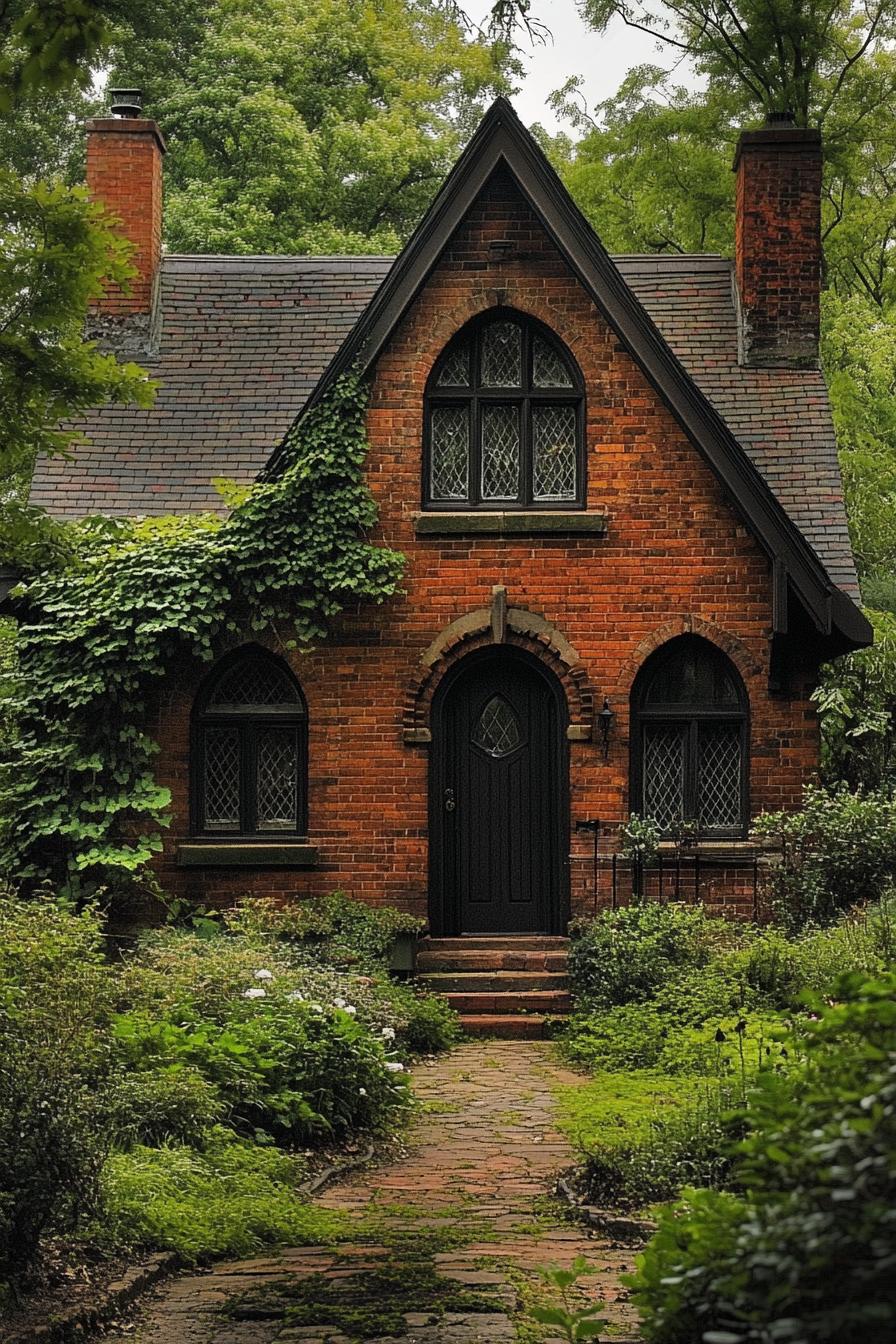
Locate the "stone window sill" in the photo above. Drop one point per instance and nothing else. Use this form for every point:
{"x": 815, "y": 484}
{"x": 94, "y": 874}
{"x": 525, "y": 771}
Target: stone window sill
{"x": 743, "y": 851}
{"x": 247, "y": 854}
{"x": 532, "y": 523}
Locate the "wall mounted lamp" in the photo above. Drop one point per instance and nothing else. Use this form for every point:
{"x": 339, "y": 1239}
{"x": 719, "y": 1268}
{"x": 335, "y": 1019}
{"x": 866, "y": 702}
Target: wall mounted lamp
{"x": 606, "y": 717}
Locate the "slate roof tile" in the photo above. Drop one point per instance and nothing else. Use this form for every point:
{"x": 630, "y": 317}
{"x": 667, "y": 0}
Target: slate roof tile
{"x": 242, "y": 341}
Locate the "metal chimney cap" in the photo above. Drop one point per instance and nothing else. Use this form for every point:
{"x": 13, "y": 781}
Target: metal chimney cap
{"x": 126, "y": 102}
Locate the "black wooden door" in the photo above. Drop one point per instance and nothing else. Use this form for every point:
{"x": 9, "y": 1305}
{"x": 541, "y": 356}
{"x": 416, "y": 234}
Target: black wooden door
{"x": 499, "y": 801}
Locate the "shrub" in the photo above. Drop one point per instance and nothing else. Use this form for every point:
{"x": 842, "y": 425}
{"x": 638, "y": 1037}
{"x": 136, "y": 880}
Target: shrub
{"x": 171, "y": 1104}
{"x": 333, "y": 930}
{"x": 809, "y": 1253}
{"x": 228, "y": 1200}
{"x": 838, "y": 852}
{"x": 54, "y": 1065}
{"x": 291, "y": 1070}
{"x": 625, "y": 956}
{"x": 427, "y": 1024}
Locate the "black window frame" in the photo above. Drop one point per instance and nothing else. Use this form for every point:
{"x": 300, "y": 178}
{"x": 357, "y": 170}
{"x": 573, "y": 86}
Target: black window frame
{"x": 690, "y": 718}
{"x": 249, "y": 721}
{"x": 475, "y": 397}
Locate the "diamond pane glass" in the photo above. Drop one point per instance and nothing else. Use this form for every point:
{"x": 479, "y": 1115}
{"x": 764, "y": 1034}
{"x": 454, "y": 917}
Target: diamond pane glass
{"x": 254, "y": 681}
{"x": 455, "y": 368}
{"x": 554, "y": 452}
{"x": 222, "y": 779}
{"x": 449, "y": 452}
{"x": 276, "y": 757}
{"x": 502, "y": 355}
{"x": 497, "y": 730}
{"x": 500, "y": 452}
{"x": 664, "y": 774}
{"x": 719, "y": 776}
{"x": 548, "y": 369}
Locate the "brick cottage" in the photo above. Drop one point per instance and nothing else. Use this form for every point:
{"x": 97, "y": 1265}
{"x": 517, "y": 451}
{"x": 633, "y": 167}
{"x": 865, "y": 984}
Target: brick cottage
{"x": 616, "y": 486}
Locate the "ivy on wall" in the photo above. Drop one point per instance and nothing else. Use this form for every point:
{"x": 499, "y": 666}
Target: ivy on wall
{"x": 79, "y": 802}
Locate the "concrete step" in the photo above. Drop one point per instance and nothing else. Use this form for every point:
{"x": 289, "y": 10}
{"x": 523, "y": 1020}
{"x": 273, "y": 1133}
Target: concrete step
{"x": 492, "y": 982}
{"x": 498, "y": 958}
{"x": 506, "y": 1026}
{"x": 509, "y": 942}
{"x": 541, "y": 1001}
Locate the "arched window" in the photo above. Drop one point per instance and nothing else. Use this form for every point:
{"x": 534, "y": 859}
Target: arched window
{"x": 689, "y": 739}
{"x": 504, "y": 416}
{"x": 250, "y": 749}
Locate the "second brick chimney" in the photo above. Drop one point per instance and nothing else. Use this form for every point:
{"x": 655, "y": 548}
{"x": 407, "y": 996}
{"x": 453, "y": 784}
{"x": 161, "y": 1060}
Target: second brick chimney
{"x": 124, "y": 172}
{"x": 778, "y": 243}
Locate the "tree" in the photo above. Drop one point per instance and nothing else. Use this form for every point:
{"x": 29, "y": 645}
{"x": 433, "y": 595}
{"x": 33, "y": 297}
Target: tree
{"x": 55, "y": 250}
{"x": 323, "y": 127}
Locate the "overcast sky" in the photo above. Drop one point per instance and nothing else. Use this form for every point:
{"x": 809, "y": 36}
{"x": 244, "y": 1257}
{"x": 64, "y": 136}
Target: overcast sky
{"x": 601, "y": 58}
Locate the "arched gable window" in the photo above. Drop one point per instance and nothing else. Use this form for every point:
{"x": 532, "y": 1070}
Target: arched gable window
{"x": 250, "y": 750}
{"x": 689, "y": 739}
{"x": 504, "y": 420}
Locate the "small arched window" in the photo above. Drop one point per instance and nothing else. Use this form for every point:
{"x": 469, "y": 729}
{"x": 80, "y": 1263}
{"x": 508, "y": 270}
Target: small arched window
{"x": 250, "y": 749}
{"x": 689, "y": 739}
{"x": 504, "y": 420}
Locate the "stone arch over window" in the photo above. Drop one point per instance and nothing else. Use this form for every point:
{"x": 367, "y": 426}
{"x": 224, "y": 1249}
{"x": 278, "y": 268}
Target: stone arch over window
{"x": 690, "y": 739}
{"x": 249, "y": 757}
{"x": 504, "y": 419}
{"x": 499, "y": 624}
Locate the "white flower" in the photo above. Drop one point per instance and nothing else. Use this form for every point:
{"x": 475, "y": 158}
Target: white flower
{"x": 254, "y": 994}
{"x": 350, "y": 1010}
{"x": 393, "y": 1066}
{"x": 362, "y": 1091}
{"x": 388, "y": 1033}
{"x": 315, "y": 1007}
{"x": 339, "y": 1003}
{"x": 296, "y": 996}
{"x": 263, "y": 975}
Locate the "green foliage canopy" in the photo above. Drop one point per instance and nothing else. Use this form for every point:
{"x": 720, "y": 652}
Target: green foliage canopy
{"x": 315, "y": 128}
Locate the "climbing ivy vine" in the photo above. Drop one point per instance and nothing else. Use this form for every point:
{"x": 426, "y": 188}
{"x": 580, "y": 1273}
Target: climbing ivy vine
{"x": 79, "y": 802}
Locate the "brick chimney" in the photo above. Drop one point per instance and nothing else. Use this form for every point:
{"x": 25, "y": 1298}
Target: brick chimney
{"x": 777, "y": 247}
{"x": 124, "y": 171}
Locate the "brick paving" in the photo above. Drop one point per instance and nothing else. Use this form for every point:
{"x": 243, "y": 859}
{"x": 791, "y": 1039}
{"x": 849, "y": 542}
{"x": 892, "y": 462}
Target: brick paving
{"x": 465, "y": 1208}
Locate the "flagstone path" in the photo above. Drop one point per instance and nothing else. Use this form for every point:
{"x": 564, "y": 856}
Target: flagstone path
{"x": 441, "y": 1246}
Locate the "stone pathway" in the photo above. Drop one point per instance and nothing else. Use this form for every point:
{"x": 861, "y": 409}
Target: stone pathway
{"x": 441, "y": 1247}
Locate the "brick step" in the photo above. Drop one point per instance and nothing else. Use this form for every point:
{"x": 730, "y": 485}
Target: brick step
{"x": 540, "y": 1001}
{"x": 506, "y": 942}
{"x": 506, "y": 1026}
{"x": 494, "y": 982}
{"x": 500, "y": 958}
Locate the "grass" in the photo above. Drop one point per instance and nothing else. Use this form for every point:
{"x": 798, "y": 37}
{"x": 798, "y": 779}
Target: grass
{"x": 618, "y": 1106}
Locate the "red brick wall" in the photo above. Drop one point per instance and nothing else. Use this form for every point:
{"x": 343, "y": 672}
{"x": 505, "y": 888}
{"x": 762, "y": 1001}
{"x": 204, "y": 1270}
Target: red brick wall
{"x": 124, "y": 171}
{"x": 778, "y": 244}
{"x": 675, "y": 558}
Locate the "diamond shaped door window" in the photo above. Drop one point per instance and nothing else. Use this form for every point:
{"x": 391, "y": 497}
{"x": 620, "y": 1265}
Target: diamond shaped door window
{"x": 497, "y": 730}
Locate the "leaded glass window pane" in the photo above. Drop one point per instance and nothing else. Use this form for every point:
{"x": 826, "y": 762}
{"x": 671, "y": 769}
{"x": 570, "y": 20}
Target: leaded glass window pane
{"x": 276, "y": 766}
{"x": 500, "y": 452}
{"x": 554, "y": 452}
{"x": 450, "y": 452}
{"x": 455, "y": 368}
{"x": 548, "y": 369}
{"x": 497, "y": 730}
{"x": 694, "y": 675}
{"x": 222, "y": 779}
{"x": 664, "y": 774}
{"x": 502, "y": 355}
{"x": 719, "y": 776}
{"x": 254, "y": 681}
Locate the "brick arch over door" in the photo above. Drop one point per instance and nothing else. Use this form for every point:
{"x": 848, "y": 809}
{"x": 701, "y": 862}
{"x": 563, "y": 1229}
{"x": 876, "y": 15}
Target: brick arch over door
{"x": 517, "y": 628}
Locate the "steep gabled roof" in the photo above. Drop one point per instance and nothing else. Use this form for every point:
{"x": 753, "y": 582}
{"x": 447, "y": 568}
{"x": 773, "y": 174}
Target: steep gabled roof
{"x": 502, "y": 141}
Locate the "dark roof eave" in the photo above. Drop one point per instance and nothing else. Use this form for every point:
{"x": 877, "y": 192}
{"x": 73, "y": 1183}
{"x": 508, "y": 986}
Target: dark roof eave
{"x": 501, "y": 139}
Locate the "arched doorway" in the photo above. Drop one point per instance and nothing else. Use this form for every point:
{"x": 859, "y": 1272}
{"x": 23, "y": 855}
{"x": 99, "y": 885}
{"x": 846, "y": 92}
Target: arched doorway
{"x": 499, "y": 807}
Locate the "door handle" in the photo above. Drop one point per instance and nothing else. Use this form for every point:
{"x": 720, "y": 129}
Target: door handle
{"x": 450, "y": 804}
